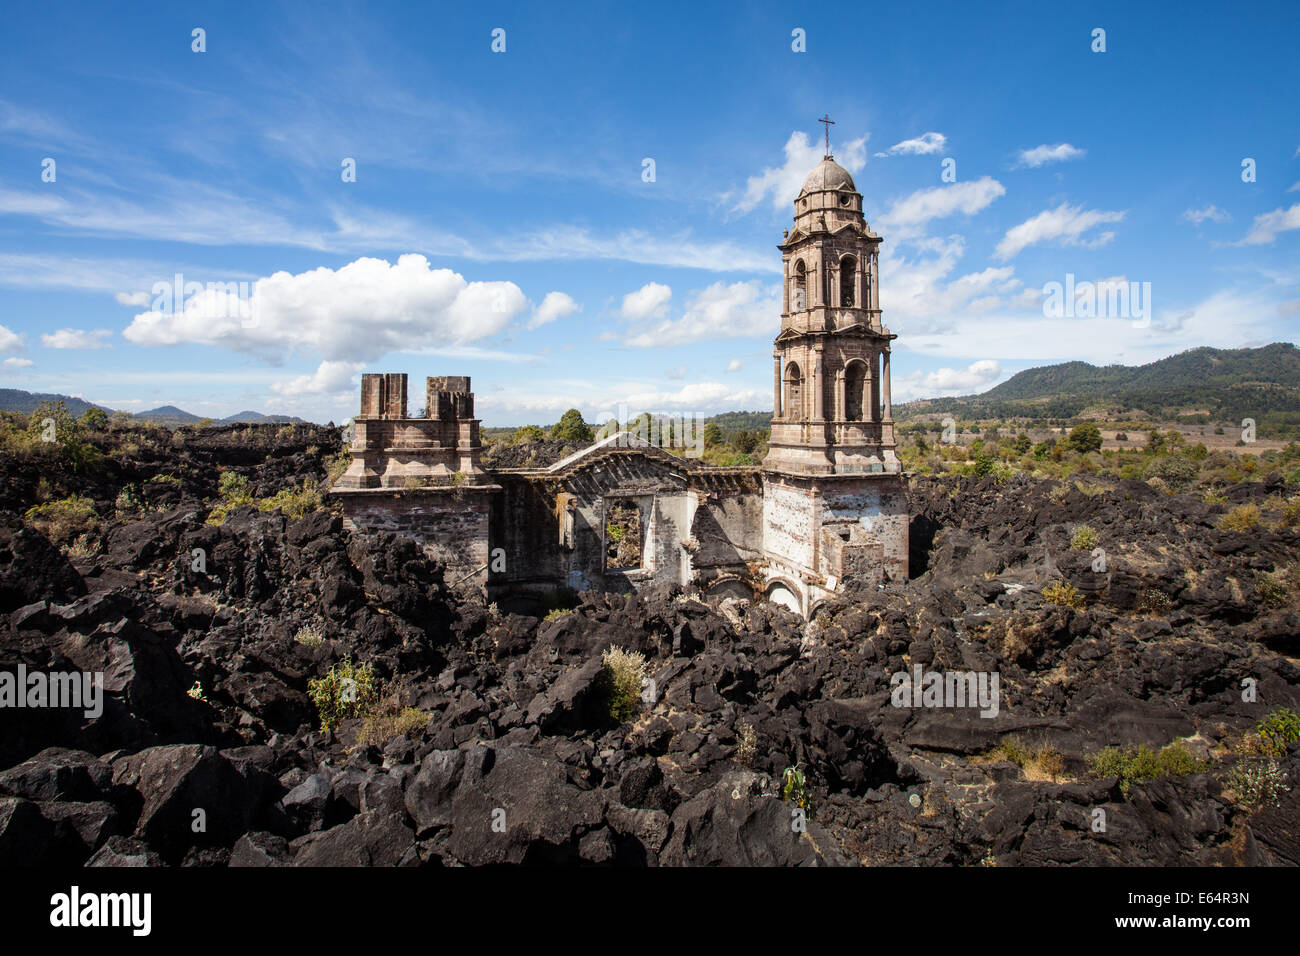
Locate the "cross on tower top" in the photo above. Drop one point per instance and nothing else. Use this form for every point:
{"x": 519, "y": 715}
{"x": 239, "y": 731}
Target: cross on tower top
{"x": 828, "y": 123}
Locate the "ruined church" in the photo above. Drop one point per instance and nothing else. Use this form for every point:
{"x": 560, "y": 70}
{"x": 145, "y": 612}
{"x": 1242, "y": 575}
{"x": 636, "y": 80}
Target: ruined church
{"x": 826, "y": 506}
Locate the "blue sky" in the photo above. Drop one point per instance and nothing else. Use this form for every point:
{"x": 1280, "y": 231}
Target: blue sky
{"x": 500, "y": 225}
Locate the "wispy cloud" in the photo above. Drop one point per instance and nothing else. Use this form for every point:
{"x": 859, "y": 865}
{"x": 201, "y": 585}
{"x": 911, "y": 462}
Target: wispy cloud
{"x": 1209, "y": 213}
{"x": 922, "y": 145}
{"x": 1065, "y": 224}
{"x": 1266, "y": 226}
{"x": 1043, "y": 155}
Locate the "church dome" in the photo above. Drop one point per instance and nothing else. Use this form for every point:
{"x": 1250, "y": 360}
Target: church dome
{"x": 828, "y": 175}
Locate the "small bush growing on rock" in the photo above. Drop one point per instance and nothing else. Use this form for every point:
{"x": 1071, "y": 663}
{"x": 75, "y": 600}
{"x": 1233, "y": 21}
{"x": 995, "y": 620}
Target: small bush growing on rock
{"x": 345, "y": 691}
{"x": 233, "y": 488}
{"x": 624, "y": 672}
{"x": 1274, "y": 589}
{"x": 64, "y": 519}
{"x": 1137, "y": 764}
{"x": 1154, "y": 601}
{"x": 128, "y": 501}
{"x": 1064, "y": 594}
{"x": 1290, "y": 517}
{"x": 1083, "y": 539}
{"x": 793, "y": 787}
{"x": 337, "y": 465}
{"x": 1278, "y": 730}
{"x": 1058, "y": 493}
{"x": 309, "y": 636}
{"x": 295, "y": 502}
{"x": 746, "y": 745}
{"x": 379, "y": 729}
{"x": 1241, "y": 518}
{"x": 555, "y": 614}
{"x": 1257, "y": 783}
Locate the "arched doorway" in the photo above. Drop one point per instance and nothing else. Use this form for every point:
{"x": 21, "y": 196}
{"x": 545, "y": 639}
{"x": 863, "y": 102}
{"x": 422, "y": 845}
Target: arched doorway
{"x": 779, "y": 592}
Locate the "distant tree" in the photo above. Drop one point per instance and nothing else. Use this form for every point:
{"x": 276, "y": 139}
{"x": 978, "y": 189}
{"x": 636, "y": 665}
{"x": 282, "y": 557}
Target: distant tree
{"x": 1085, "y": 437}
{"x": 1023, "y": 443}
{"x": 203, "y": 423}
{"x": 712, "y": 436}
{"x": 96, "y": 419}
{"x": 745, "y": 441}
{"x": 527, "y": 435}
{"x": 571, "y": 428}
{"x": 1155, "y": 442}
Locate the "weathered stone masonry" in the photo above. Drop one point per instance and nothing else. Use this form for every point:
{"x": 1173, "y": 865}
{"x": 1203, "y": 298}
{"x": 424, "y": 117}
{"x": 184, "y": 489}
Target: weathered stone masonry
{"x": 827, "y": 506}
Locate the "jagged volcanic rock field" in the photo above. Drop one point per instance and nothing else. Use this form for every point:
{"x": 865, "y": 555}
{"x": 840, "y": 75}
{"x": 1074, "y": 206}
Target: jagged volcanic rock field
{"x": 207, "y": 705}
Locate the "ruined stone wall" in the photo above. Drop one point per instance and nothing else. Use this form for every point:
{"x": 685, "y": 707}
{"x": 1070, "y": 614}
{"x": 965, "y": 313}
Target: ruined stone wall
{"x": 450, "y": 526}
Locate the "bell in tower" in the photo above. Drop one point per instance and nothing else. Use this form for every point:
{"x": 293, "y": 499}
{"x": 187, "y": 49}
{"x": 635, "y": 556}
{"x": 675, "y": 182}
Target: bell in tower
{"x": 830, "y": 390}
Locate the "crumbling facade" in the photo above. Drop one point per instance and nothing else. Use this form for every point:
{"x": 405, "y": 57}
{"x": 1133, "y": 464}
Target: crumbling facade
{"x": 826, "y": 506}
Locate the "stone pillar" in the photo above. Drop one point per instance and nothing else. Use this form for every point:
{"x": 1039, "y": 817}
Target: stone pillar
{"x": 820, "y": 393}
{"x": 888, "y": 413}
{"x": 776, "y": 385}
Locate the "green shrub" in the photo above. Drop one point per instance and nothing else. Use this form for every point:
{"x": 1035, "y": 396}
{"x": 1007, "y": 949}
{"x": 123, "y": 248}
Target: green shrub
{"x": 64, "y": 519}
{"x": 1064, "y": 594}
{"x": 295, "y": 501}
{"x": 1257, "y": 783}
{"x": 1290, "y": 514}
{"x": 555, "y": 614}
{"x": 1241, "y": 518}
{"x": 337, "y": 465}
{"x": 378, "y": 729}
{"x": 1175, "y": 471}
{"x": 1137, "y": 764}
{"x": 344, "y": 692}
{"x": 1083, "y": 539}
{"x": 1277, "y": 730}
{"x": 794, "y": 787}
{"x": 623, "y": 675}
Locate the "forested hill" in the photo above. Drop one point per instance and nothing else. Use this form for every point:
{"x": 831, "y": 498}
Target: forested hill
{"x": 1204, "y": 383}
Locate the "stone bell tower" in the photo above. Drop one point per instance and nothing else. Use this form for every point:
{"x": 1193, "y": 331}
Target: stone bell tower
{"x": 834, "y": 499}
{"x": 831, "y": 360}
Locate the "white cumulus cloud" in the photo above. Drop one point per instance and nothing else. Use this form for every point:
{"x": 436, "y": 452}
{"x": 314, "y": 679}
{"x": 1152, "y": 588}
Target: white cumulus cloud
{"x": 138, "y": 299}
{"x": 556, "y": 305}
{"x": 18, "y": 363}
{"x": 952, "y": 380}
{"x": 716, "y": 312}
{"x": 649, "y": 301}
{"x": 329, "y": 378}
{"x": 358, "y": 312}
{"x": 10, "y": 341}
{"x": 781, "y": 184}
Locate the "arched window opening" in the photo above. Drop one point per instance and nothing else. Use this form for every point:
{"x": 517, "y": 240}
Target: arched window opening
{"x": 793, "y": 392}
{"x": 799, "y": 291}
{"x": 855, "y": 380}
{"x": 848, "y": 277}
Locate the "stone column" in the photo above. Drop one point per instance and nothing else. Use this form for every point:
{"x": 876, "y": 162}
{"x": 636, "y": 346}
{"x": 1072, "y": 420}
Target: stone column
{"x": 776, "y": 385}
{"x": 820, "y": 394}
{"x": 889, "y": 416}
